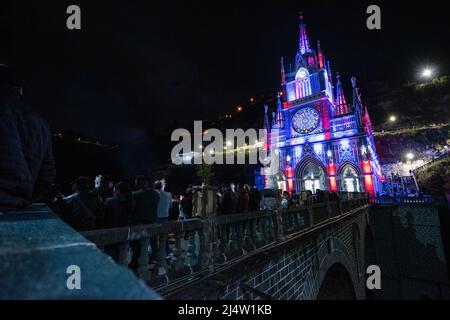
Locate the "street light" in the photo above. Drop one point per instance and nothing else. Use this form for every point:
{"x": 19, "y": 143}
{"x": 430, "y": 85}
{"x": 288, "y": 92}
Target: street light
{"x": 427, "y": 73}
{"x": 410, "y": 156}
{"x": 392, "y": 118}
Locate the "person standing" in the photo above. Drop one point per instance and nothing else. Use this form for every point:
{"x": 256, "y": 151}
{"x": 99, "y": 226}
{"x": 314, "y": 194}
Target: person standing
{"x": 146, "y": 201}
{"x": 27, "y": 167}
{"x": 165, "y": 201}
{"x": 84, "y": 209}
{"x": 186, "y": 205}
{"x": 119, "y": 208}
{"x": 103, "y": 186}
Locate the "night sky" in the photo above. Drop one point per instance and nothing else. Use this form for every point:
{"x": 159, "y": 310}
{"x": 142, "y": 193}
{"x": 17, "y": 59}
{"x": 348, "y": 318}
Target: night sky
{"x": 136, "y": 67}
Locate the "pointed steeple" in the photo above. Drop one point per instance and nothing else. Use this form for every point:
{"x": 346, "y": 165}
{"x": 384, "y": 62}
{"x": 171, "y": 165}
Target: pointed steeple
{"x": 279, "y": 118}
{"x": 266, "y": 118}
{"x": 283, "y": 73}
{"x": 320, "y": 56}
{"x": 330, "y": 74}
{"x": 303, "y": 45}
{"x": 357, "y": 105}
{"x": 274, "y": 120}
{"x": 341, "y": 103}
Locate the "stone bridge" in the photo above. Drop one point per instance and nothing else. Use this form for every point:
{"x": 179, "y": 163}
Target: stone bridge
{"x": 315, "y": 251}
{"x": 319, "y": 250}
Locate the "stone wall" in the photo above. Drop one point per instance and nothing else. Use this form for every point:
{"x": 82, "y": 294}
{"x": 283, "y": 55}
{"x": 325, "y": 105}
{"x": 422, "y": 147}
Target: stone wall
{"x": 292, "y": 269}
{"x": 411, "y": 252}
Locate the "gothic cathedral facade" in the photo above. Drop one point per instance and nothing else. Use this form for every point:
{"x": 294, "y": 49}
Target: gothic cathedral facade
{"x": 322, "y": 142}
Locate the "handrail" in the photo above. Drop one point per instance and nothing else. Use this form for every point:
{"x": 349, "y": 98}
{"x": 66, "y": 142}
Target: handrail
{"x": 201, "y": 244}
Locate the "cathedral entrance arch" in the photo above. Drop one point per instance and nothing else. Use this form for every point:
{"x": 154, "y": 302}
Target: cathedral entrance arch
{"x": 349, "y": 179}
{"x": 310, "y": 175}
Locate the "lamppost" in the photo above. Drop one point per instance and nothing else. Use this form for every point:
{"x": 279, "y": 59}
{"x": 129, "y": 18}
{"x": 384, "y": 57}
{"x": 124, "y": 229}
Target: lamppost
{"x": 410, "y": 158}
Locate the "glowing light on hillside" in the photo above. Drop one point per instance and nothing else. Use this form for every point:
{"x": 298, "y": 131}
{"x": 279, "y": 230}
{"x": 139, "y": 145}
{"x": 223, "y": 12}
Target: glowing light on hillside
{"x": 427, "y": 73}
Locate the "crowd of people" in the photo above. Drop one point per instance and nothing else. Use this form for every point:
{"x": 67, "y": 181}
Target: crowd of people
{"x": 240, "y": 199}
{"x": 100, "y": 203}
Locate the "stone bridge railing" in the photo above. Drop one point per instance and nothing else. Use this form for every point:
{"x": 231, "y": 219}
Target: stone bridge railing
{"x": 425, "y": 199}
{"x": 204, "y": 244}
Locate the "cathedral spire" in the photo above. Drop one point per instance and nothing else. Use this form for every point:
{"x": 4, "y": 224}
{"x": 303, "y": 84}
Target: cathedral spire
{"x": 283, "y": 73}
{"x": 330, "y": 74}
{"x": 341, "y": 103}
{"x": 266, "y": 118}
{"x": 357, "y": 105}
{"x": 279, "y": 116}
{"x": 320, "y": 54}
{"x": 303, "y": 44}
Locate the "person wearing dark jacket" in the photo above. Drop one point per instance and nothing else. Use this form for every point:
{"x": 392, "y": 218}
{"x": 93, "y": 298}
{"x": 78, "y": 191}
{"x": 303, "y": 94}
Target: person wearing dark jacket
{"x": 229, "y": 200}
{"x": 119, "y": 209}
{"x": 146, "y": 202}
{"x": 83, "y": 210}
{"x": 254, "y": 199}
{"x": 27, "y": 168}
{"x": 243, "y": 199}
{"x": 186, "y": 205}
{"x": 104, "y": 186}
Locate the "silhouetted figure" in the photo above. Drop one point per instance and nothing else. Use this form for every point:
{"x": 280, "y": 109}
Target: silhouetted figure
{"x": 27, "y": 169}
{"x": 174, "y": 211}
{"x": 254, "y": 200}
{"x": 285, "y": 201}
{"x": 83, "y": 209}
{"x": 165, "y": 201}
{"x": 119, "y": 209}
{"x": 146, "y": 202}
{"x": 104, "y": 186}
{"x": 228, "y": 201}
{"x": 186, "y": 205}
{"x": 243, "y": 199}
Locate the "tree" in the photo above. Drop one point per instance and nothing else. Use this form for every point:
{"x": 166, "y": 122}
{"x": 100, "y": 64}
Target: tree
{"x": 436, "y": 178}
{"x": 205, "y": 173}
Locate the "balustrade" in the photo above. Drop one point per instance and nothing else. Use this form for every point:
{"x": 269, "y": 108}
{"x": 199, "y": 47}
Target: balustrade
{"x": 206, "y": 243}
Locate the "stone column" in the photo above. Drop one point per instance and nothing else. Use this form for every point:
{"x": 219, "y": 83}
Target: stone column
{"x": 205, "y": 207}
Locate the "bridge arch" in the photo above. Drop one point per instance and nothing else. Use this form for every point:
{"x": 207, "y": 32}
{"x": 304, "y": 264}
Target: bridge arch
{"x": 337, "y": 284}
{"x": 334, "y": 251}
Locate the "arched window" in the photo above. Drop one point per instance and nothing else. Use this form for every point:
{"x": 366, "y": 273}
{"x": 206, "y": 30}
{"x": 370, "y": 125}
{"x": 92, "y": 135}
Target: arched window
{"x": 302, "y": 83}
{"x": 313, "y": 178}
{"x": 350, "y": 180}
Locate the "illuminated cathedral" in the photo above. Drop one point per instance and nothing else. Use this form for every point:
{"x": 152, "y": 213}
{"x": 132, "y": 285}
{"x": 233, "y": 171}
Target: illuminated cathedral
{"x": 322, "y": 141}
